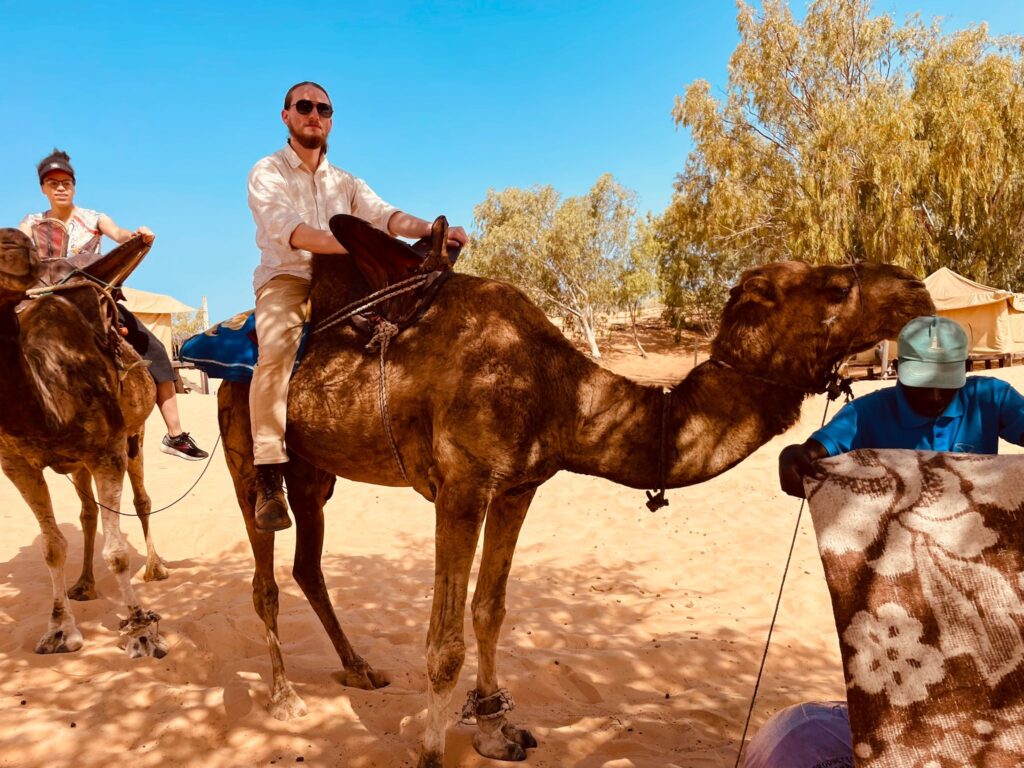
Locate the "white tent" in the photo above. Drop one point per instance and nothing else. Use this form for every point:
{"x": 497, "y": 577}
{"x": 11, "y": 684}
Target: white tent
{"x": 982, "y": 311}
{"x": 154, "y": 311}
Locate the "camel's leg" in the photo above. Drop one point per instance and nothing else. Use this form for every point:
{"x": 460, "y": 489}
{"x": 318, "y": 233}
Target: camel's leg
{"x": 460, "y": 512}
{"x": 140, "y": 630}
{"x": 62, "y": 636}
{"x": 308, "y": 489}
{"x": 156, "y": 568}
{"x": 236, "y": 437}
{"x": 496, "y": 738}
{"x": 285, "y": 703}
{"x": 85, "y": 587}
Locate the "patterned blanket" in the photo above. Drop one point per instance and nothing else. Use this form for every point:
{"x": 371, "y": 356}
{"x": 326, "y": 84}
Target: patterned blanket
{"x": 923, "y": 557}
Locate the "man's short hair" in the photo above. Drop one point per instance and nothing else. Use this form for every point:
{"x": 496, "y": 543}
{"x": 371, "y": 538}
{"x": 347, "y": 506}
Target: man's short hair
{"x": 288, "y": 96}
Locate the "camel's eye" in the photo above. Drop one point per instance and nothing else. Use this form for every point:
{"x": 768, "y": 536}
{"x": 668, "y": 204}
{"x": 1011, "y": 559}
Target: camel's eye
{"x": 837, "y": 293}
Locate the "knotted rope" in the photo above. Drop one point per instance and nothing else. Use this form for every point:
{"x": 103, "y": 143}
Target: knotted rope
{"x": 381, "y": 339}
{"x": 501, "y": 700}
{"x": 361, "y": 305}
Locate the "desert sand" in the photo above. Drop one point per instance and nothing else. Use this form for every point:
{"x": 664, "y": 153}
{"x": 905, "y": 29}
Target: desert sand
{"x": 632, "y": 639}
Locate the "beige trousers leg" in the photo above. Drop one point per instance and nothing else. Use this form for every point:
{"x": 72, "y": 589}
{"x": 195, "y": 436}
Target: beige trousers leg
{"x": 280, "y": 313}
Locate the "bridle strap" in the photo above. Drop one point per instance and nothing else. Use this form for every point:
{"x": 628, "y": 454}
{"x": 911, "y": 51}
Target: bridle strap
{"x": 656, "y": 499}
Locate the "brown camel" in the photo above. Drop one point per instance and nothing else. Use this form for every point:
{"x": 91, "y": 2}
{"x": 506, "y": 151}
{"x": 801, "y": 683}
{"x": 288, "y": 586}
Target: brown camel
{"x": 487, "y": 400}
{"x": 78, "y": 412}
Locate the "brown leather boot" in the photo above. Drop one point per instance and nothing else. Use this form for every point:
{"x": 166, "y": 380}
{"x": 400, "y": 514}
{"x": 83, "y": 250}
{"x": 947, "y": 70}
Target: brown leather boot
{"x": 271, "y": 507}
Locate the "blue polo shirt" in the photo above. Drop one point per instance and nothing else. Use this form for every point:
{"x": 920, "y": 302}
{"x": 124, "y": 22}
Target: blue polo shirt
{"x": 983, "y": 410}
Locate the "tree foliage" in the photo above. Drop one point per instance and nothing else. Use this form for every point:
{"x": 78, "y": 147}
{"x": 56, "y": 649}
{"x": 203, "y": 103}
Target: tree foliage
{"x": 568, "y": 255}
{"x": 845, "y": 136}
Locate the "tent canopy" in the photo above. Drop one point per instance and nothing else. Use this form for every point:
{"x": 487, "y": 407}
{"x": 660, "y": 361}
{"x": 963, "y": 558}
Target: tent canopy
{"x": 154, "y": 311}
{"x": 982, "y": 311}
{"x": 148, "y": 303}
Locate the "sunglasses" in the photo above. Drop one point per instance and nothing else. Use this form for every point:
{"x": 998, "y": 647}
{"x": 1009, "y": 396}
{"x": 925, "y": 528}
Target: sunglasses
{"x": 305, "y": 107}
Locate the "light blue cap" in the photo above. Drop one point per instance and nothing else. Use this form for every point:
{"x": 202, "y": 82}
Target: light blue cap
{"x": 932, "y": 352}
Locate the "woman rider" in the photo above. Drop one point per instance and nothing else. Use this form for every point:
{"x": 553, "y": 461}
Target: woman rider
{"x": 85, "y": 230}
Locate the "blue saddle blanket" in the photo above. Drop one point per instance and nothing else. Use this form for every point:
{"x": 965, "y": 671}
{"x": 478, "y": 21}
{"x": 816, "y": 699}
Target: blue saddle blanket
{"x": 228, "y": 350}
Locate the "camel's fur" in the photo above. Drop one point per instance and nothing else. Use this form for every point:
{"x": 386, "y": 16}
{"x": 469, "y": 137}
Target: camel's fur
{"x": 76, "y": 412}
{"x": 488, "y": 400}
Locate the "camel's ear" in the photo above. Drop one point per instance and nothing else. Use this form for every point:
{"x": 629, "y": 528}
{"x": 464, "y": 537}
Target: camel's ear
{"x": 760, "y": 289}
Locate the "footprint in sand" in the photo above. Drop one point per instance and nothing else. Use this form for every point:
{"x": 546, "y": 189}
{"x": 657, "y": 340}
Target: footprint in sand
{"x": 585, "y": 687}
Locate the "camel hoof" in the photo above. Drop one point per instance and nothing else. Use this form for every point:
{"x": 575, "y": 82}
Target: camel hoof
{"x": 146, "y": 644}
{"x": 430, "y": 760}
{"x": 140, "y": 635}
{"x": 83, "y": 591}
{"x": 520, "y": 736}
{"x": 497, "y": 747}
{"x": 286, "y": 704}
{"x": 366, "y": 679}
{"x": 156, "y": 571}
{"x": 59, "y": 641}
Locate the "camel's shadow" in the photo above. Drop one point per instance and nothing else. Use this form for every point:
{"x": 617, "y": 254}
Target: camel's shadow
{"x": 587, "y": 681}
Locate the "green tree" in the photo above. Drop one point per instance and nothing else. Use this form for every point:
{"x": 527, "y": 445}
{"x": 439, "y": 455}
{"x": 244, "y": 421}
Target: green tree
{"x": 185, "y": 325}
{"x": 845, "y": 136}
{"x": 566, "y": 254}
{"x": 637, "y": 281}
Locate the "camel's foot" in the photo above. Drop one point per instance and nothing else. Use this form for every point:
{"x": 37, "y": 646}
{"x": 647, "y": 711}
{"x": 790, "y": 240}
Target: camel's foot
{"x": 286, "y": 704}
{"x": 84, "y": 589}
{"x": 430, "y": 760}
{"x": 140, "y": 635}
{"x": 156, "y": 570}
{"x": 497, "y": 747}
{"x": 365, "y": 677}
{"x": 60, "y": 640}
{"x": 520, "y": 736}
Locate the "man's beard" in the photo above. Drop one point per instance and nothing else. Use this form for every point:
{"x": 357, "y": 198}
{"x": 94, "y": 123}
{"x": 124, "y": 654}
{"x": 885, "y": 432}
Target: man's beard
{"x": 309, "y": 142}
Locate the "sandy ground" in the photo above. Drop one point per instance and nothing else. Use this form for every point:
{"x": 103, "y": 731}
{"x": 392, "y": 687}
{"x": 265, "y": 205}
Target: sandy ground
{"x": 632, "y": 638}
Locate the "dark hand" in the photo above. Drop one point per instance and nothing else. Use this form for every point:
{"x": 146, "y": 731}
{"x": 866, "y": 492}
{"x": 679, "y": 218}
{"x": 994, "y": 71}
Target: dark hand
{"x": 797, "y": 462}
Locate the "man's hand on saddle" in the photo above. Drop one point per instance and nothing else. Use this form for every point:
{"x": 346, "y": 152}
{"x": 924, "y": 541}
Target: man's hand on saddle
{"x": 797, "y": 462}
{"x": 457, "y": 237}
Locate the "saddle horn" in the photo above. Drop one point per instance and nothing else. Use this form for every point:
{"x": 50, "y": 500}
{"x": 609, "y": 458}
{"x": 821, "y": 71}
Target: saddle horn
{"x": 437, "y": 259}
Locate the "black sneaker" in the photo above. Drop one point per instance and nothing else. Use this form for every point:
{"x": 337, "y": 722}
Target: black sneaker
{"x": 182, "y": 446}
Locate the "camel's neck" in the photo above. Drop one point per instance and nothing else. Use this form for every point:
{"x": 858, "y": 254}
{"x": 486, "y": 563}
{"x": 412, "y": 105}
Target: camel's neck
{"x": 715, "y": 418}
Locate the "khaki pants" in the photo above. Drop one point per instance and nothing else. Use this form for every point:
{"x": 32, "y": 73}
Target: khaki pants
{"x": 280, "y": 313}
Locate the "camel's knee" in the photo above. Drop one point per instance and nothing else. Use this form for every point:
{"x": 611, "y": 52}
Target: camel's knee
{"x": 444, "y": 663}
{"x": 487, "y": 614}
{"x": 264, "y": 597}
{"x": 117, "y": 560}
{"x": 55, "y": 549}
{"x": 307, "y": 574}
{"x": 89, "y": 513}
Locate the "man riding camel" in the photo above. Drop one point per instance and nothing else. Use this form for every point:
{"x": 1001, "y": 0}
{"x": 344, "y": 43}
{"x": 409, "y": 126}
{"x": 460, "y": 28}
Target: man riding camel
{"x": 293, "y": 194}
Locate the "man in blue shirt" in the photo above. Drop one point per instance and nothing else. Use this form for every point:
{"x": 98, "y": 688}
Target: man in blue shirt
{"x": 933, "y": 407}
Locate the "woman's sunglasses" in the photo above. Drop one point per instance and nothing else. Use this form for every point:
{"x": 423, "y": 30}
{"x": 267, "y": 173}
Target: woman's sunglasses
{"x": 305, "y": 107}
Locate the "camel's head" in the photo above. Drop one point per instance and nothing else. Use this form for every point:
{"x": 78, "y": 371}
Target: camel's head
{"x": 19, "y": 265}
{"x": 793, "y": 322}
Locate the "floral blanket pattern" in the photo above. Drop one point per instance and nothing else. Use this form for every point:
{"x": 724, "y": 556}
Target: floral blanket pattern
{"x": 923, "y": 553}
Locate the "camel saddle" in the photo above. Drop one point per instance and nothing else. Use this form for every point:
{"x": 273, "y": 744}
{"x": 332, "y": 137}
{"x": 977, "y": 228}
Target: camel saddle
{"x": 377, "y": 262}
{"x": 112, "y": 269}
{"x": 101, "y": 274}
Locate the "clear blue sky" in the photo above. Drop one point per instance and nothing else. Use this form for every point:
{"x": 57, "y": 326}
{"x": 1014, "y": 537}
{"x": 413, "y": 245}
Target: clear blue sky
{"x": 165, "y": 107}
